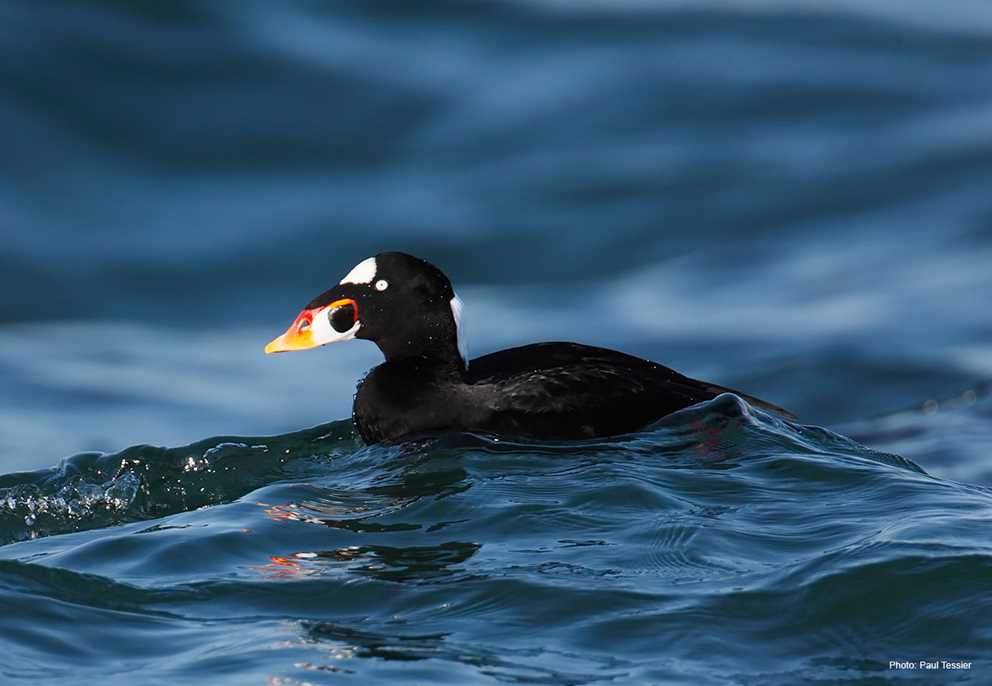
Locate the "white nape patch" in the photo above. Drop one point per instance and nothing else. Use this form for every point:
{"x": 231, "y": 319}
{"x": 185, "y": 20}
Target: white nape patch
{"x": 363, "y": 272}
{"x": 323, "y": 333}
{"x": 456, "y": 312}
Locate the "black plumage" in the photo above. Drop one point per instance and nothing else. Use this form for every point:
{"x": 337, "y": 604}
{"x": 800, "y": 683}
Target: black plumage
{"x": 544, "y": 391}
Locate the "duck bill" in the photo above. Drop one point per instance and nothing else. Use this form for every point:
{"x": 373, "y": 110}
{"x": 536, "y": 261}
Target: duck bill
{"x": 319, "y": 326}
{"x": 294, "y": 338}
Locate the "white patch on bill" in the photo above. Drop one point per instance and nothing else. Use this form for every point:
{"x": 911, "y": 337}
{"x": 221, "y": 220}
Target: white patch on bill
{"x": 456, "y": 312}
{"x": 323, "y": 333}
{"x": 363, "y": 272}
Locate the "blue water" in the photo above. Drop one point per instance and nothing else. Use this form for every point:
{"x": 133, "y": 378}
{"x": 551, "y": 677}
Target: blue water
{"x": 789, "y": 197}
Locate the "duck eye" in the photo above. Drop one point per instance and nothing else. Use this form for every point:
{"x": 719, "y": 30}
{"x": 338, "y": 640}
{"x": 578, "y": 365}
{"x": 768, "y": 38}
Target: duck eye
{"x": 381, "y": 285}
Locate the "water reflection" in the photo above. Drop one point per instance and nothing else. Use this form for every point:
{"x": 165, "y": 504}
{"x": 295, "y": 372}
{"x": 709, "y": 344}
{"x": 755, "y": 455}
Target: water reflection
{"x": 497, "y": 661}
{"x": 410, "y": 564}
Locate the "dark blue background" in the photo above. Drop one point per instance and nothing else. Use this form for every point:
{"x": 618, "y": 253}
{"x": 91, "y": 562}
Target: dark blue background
{"x": 791, "y": 198}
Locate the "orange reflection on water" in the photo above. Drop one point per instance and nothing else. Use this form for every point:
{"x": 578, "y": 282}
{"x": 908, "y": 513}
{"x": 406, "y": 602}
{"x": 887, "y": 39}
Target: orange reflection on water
{"x": 284, "y": 568}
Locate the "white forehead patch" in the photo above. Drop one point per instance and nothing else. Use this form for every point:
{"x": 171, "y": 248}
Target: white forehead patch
{"x": 456, "y": 312}
{"x": 363, "y": 272}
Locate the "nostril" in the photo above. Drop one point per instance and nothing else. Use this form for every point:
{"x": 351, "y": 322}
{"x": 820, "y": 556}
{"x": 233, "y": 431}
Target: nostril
{"x": 304, "y": 325}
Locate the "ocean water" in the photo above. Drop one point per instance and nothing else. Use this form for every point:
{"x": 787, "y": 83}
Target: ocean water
{"x": 784, "y": 197}
{"x": 668, "y": 555}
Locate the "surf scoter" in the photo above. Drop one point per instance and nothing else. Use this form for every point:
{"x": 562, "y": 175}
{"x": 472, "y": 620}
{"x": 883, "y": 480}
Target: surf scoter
{"x": 543, "y": 391}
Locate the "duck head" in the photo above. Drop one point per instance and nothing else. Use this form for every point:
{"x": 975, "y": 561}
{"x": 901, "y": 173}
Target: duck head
{"x": 402, "y": 303}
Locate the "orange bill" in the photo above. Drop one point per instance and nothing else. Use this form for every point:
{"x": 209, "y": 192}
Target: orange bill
{"x": 311, "y": 329}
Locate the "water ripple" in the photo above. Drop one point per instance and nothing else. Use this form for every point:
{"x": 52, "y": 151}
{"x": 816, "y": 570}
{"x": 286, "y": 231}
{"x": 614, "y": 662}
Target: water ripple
{"x": 640, "y": 554}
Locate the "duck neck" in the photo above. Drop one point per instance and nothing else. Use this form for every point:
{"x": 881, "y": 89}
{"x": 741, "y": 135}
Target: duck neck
{"x": 432, "y": 357}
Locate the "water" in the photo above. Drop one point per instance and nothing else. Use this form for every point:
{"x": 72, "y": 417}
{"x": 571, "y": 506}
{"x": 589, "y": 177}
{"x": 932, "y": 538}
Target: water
{"x": 664, "y": 555}
{"x": 787, "y": 198}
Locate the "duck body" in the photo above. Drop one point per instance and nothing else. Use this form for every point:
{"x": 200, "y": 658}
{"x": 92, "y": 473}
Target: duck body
{"x": 542, "y": 391}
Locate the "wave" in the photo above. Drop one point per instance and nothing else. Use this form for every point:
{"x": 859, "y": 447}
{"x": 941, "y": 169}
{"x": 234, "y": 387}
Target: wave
{"x": 669, "y": 554}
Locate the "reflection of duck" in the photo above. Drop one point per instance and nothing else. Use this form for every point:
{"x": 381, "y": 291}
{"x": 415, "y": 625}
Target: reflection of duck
{"x": 542, "y": 391}
{"x": 414, "y": 564}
